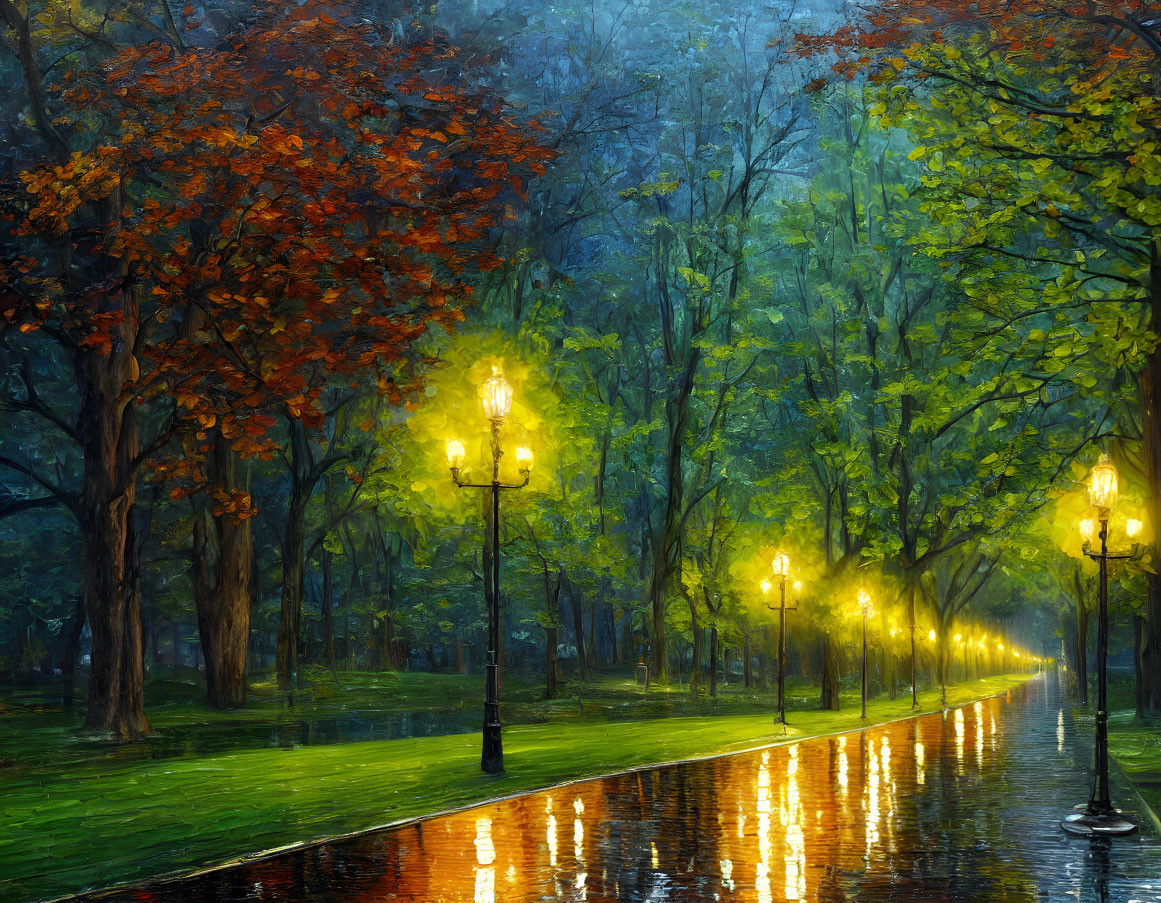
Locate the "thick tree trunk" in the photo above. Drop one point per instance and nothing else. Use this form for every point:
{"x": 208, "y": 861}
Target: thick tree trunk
{"x": 71, "y": 651}
{"x": 222, "y": 578}
{"x": 830, "y": 674}
{"x": 116, "y": 699}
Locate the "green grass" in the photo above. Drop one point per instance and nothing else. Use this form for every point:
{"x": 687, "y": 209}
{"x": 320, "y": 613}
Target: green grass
{"x": 1135, "y": 746}
{"x": 106, "y": 820}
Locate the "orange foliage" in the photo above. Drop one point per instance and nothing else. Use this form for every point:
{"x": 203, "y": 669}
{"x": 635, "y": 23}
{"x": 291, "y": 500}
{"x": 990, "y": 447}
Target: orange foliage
{"x": 295, "y": 206}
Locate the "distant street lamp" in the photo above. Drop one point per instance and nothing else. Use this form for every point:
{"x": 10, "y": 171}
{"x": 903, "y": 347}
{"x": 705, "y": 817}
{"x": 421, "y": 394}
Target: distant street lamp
{"x": 1100, "y": 816}
{"x": 865, "y": 609}
{"x": 781, "y": 568}
{"x": 496, "y": 396}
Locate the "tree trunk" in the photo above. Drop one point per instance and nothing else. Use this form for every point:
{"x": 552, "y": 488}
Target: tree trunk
{"x": 222, "y": 559}
{"x": 71, "y": 651}
{"x": 550, "y": 648}
{"x": 109, "y": 439}
{"x": 578, "y": 626}
{"x": 830, "y": 675}
{"x": 747, "y": 661}
{"x": 326, "y": 608}
{"x": 293, "y": 553}
{"x": 713, "y": 663}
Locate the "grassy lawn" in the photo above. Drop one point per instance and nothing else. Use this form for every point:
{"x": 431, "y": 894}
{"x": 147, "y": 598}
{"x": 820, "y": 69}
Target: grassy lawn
{"x": 70, "y": 821}
{"x": 1135, "y": 746}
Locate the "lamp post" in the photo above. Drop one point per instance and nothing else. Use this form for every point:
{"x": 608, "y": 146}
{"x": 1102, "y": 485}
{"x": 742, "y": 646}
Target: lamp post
{"x": 865, "y": 610}
{"x": 1100, "y": 817}
{"x": 781, "y": 568}
{"x": 496, "y": 396}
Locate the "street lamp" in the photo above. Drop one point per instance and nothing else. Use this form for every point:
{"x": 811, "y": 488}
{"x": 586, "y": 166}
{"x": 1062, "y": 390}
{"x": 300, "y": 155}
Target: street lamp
{"x": 781, "y": 568}
{"x": 1100, "y": 817}
{"x": 865, "y": 609}
{"x": 496, "y": 396}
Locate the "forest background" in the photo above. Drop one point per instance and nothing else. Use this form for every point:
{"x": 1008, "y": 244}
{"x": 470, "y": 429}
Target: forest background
{"x": 873, "y": 290}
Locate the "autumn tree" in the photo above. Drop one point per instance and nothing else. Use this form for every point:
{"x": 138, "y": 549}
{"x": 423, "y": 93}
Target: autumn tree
{"x": 290, "y": 207}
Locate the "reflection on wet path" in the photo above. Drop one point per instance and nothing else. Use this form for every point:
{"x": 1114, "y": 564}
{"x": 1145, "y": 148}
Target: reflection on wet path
{"x": 962, "y": 806}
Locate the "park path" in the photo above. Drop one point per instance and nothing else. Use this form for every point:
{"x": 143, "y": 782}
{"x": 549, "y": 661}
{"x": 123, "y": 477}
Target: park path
{"x": 962, "y": 806}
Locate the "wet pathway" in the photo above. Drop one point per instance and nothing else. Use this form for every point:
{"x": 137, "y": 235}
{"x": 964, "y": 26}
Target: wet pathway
{"x": 958, "y": 807}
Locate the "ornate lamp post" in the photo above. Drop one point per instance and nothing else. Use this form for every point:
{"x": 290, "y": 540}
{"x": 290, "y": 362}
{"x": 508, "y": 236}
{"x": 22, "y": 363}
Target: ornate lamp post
{"x": 1100, "y": 816}
{"x": 781, "y": 567}
{"x": 866, "y": 610}
{"x": 496, "y": 396}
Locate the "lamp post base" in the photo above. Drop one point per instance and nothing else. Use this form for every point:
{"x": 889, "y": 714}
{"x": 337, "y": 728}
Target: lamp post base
{"x": 492, "y": 757}
{"x": 1100, "y": 824}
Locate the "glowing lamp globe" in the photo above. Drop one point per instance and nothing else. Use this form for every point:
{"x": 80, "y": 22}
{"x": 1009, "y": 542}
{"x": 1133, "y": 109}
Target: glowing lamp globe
{"x": 780, "y": 565}
{"x": 1086, "y": 529}
{"x": 524, "y": 459}
{"x": 766, "y": 586}
{"x": 1102, "y": 485}
{"x": 1132, "y": 527}
{"x": 496, "y": 396}
{"x": 931, "y": 634}
{"x": 864, "y": 602}
{"x": 455, "y": 453}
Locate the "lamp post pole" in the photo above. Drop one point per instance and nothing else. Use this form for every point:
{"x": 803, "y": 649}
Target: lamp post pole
{"x": 781, "y": 568}
{"x": 1100, "y": 817}
{"x": 497, "y": 399}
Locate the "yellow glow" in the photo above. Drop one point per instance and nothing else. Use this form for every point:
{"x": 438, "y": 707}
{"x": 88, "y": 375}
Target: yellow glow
{"x": 865, "y": 603}
{"x": 780, "y": 565}
{"x": 931, "y": 634}
{"x": 959, "y": 732}
{"x": 1000, "y": 647}
{"x": 455, "y": 453}
{"x": 959, "y": 637}
{"x": 1132, "y": 527}
{"x": 767, "y": 586}
{"x": 1102, "y": 485}
{"x": 1086, "y": 529}
{"x": 1017, "y": 654}
{"x": 524, "y": 458}
{"x": 496, "y": 396}
{"x": 920, "y": 772}
{"x": 797, "y": 585}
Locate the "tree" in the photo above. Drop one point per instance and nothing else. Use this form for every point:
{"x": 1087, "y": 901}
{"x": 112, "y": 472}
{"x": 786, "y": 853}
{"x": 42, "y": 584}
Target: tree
{"x": 304, "y": 219}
